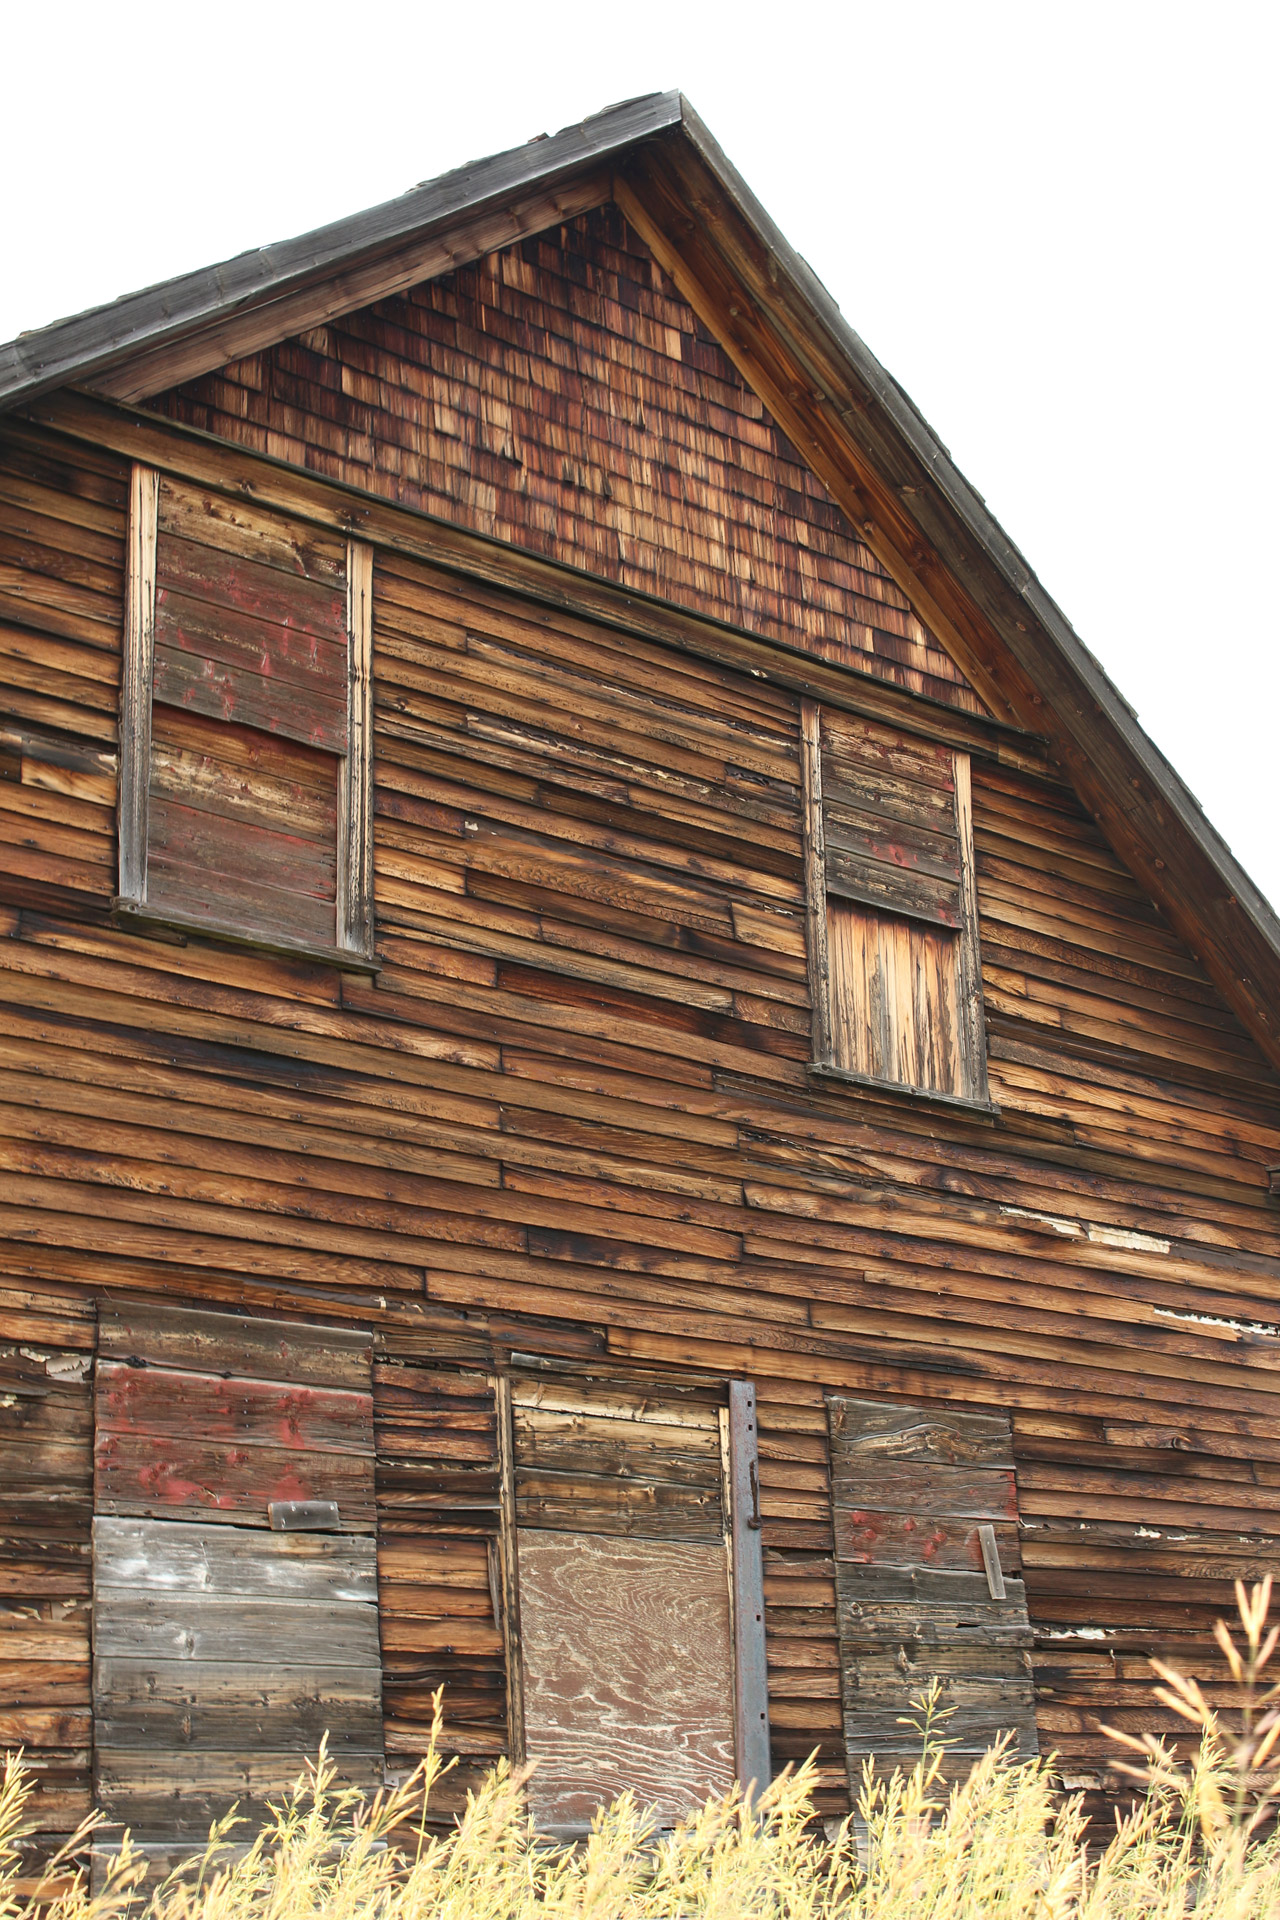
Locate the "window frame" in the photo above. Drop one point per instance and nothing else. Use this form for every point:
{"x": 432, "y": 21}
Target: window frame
{"x": 976, "y": 1097}
{"x": 353, "y": 946}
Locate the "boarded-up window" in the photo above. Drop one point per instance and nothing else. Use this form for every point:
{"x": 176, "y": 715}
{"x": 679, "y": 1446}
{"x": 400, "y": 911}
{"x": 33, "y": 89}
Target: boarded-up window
{"x": 928, "y": 1581}
{"x": 244, "y": 722}
{"x": 892, "y": 908}
{"x": 628, "y": 1581}
{"x": 235, "y": 1578}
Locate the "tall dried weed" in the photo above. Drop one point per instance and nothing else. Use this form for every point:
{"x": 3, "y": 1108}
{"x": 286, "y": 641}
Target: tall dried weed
{"x": 1001, "y": 1845}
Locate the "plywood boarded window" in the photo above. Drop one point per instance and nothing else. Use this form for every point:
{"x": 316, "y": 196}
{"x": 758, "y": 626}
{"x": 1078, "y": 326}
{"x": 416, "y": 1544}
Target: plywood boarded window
{"x": 224, "y": 1647}
{"x": 893, "y": 931}
{"x": 245, "y": 722}
{"x": 928, "y": 1581}
{"x": 634, "y": 1595}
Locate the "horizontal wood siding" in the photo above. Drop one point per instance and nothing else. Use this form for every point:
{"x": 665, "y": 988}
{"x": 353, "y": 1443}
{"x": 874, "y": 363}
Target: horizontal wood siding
{"x": 438, "y": 1524}
{"x": 574, "y": 1118}
{"x": 62, "y": 534}
{"x": 562, "y": 396}
{"x": 46, "y": 1574}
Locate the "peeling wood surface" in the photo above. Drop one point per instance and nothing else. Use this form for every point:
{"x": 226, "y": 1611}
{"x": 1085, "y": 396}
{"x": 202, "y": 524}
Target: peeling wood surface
{"x": 627, "y": 1677}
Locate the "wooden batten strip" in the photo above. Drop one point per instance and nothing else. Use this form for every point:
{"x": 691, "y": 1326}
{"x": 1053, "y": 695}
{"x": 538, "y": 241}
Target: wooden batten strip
{"x": 751, "y": 1680}
{"x": 355, "y": 813}
{"x": 136, "y": 680}
{"x": 974, "y": 1044}
{"x": 815, "y": 878}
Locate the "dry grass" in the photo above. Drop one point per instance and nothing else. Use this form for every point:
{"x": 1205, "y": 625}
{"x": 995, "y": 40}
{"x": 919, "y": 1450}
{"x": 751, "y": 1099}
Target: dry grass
{"x": 1002, "y": 1844}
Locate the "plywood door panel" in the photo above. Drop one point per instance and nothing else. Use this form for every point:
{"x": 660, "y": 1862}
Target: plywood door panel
{"x": 627, "y": 1673}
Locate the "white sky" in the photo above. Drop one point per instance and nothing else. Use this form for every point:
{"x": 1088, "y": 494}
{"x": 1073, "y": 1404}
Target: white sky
{"x": 1056, "y": 224}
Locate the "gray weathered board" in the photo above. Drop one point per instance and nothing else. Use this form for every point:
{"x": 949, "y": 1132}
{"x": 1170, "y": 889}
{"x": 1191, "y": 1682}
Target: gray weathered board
{"x": 232, "y": 1647}
{"x": 913, "y": 1489}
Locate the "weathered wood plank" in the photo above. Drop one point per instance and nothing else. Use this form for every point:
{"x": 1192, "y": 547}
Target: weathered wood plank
{"x": 274, "y": 1632}
{"x": 174, "y": 1557}
{"x": 177, "y": 1795}
{"x": 870, "y": 1536}
{"x": 246, "y": 586}
{"x": 180, "y": 1706}
{"x": 890, "y": 888}
{"x": 167, "y": 1403}
{"x": 196, "y": 1341}
{"x": 598, "y": 1503}
{"x": 150, "y": 1475}
{"x": 867, "y": 1432}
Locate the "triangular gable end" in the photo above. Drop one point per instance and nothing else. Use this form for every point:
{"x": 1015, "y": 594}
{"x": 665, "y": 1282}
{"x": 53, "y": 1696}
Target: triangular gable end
{"x": 562, "y": 396}
{"x": 881, "y": 465}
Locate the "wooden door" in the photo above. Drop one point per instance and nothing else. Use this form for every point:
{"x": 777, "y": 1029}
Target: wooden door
{"x": 234, "y": 1554}
{"x": 928, "y": 1581}
{"x": 626, "y": 1598}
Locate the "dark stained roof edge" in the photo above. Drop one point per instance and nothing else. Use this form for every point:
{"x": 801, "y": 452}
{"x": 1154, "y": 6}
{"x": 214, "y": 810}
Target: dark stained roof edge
{"x": 74, "y": 350}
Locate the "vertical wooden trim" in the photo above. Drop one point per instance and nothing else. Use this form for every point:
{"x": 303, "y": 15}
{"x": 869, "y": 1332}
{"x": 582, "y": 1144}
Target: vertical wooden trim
{"x": 815, "y": 880}
{"x": 973, "y": 1026}
{"x": 137, "y": 669}
{"x": 355, "y": 800}
{"x": 510, "y": 1572}
{"x": 751, "y": 1678}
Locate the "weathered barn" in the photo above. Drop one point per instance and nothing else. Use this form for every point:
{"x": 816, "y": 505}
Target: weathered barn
{"x": 627, "y": 1086}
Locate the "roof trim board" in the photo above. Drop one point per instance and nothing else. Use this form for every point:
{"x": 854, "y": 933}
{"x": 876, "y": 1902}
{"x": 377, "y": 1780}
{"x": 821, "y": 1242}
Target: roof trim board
{"x": 443, "y": 223}
{"x": 845, "y": 413}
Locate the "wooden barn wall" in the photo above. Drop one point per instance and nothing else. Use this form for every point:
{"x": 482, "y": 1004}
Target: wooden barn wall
{"x": 562, "y": 396}
{"x": 572, "y": 1116}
